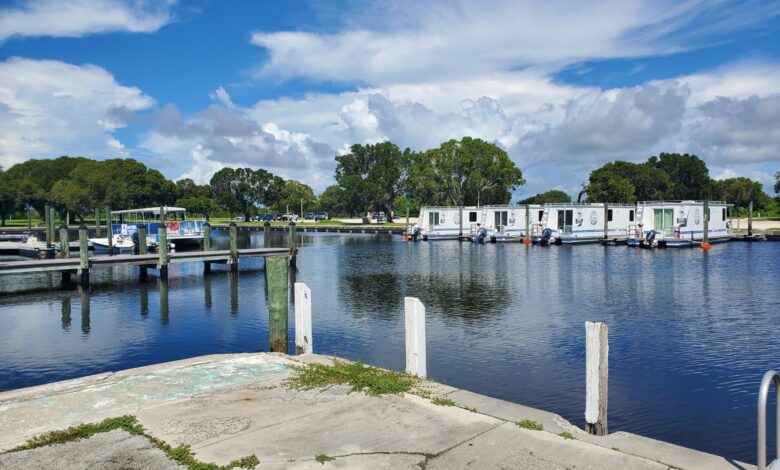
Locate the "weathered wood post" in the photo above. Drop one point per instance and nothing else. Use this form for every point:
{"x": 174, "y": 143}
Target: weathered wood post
{"x": 750, "y": 219}
{"x": 414, "y": 312}
{"x": 276, "y": 272}
{"x": 606, "y": 221}
{"x": 83, "y": 256}
{"x": 460, "y": 222}
{"x": 162, "y": 251}
{"x": 64, "y": 242}
{"x": 596, "y": 377}
{"x": 144, "y": 274}
{"x": 207, "y": 245}
{"x": 47, "y": 216}
{"x": 527, "y": 239}
{"x": 109, "y": 232}
{"x": 706, "y": 219}
{"x": 233, "y": 232}
{"x": 29, "y": 220}
{"x": 291, "y": 242}
{"x": 97, "y": 223}
{"x": 303, "y": 340}
{"x": 266, "y": 234}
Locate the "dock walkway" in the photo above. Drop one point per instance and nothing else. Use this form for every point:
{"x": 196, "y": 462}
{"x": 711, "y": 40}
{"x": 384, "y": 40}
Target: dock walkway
{"x": 231, "y": 406}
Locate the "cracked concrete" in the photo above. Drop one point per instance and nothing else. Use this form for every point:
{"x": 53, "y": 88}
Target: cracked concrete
{"x": 232, "y": 406}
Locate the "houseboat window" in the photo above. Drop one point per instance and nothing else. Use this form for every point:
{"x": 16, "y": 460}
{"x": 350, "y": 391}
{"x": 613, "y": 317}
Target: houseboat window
{"x": 541, "y": 214}
{"x": 433, "y": 218}
{"x": 723, "y": 215}
{"x": 472, "y": 216}
{"x": 565, "y": 220}
{"x": 501, "y": 218}
{"x": 609, "y": 215}
{"x": 631, "y": 215}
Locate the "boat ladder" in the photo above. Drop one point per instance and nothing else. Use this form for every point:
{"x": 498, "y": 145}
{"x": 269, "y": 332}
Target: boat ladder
{"x": 545, "y": 216}
{"x": 639, "y": 212}
{"x": 763, "y": 396}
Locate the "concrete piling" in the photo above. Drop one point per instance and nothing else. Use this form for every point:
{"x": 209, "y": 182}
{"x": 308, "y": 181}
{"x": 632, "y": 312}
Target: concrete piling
{"x": 414, "y": 313}
{"x": 303, "y": 339}
{"x": 64, "y": 242}
{"x": 233, "y": 232}
{"x": 83, "y": 270}
{"x": 277, "y": 273}
{"x": 596, "y": 377}
{"x": 162, "y": 251}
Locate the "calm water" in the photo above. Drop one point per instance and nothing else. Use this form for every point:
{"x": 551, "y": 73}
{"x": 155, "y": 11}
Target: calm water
{"x": 691, "y": 333}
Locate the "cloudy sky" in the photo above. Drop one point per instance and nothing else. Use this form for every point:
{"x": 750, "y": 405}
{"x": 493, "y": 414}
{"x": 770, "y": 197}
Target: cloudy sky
{"x": 564, "y": 86}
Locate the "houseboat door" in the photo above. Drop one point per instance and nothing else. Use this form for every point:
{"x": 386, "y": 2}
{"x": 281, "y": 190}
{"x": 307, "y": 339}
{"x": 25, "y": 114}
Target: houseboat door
{"x": 433, "y": 219}
{"x": 663, "y": 221}
{"x": 565, "y": 220}
{"x": 501, "y": 220}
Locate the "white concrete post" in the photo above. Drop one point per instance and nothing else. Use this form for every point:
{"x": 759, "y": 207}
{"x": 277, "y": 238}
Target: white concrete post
{"x": 303, "y": 342}
{"x": 415, "y": 337}
{"x": 596, "y": 377}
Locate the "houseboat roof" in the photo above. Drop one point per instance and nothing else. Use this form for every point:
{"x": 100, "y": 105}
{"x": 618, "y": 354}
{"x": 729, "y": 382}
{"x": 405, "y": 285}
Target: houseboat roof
{"x": 151, "y": 210}
{"x": 655, "y": 203}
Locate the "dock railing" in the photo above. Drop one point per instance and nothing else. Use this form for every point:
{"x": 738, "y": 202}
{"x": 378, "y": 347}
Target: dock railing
{"x": 763, "y": 397}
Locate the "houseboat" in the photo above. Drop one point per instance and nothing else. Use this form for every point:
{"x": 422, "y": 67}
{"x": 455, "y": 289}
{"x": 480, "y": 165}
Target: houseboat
{"x": 501, "y": 224}
{"x": 125, "y": 223}
{"x": 443, "y": 223}
{"x": 574, "y": 223}
{"x": 679, "y": 223}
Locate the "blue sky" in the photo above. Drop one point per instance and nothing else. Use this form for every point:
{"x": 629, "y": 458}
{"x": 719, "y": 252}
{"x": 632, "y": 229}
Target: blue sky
{"x": 191, "y": 86}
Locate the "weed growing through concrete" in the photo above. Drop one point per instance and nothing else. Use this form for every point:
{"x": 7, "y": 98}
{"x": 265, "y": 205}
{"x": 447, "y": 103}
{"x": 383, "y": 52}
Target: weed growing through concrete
{"x": 441, "y": 401}
{"x": 322, "y": 458}
{"x": 181, "y": 454}
{"x": 566, "y": 435}
{"x": 361, "y": 377}
{"x": 530, "y": 424}
{"x": 472, "y": 409}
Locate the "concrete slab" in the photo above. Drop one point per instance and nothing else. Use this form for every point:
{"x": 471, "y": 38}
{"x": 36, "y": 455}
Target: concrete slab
{"x": 509, "y": 447}
{"x": 110, "y": 450}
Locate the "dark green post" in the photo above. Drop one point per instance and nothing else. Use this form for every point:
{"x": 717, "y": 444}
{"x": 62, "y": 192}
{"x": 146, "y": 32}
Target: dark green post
{"x": 291, "y": 242}
{"x": 606, "y": 221}
{"x": 97, "y": 223}
{"x": 109, "y": 232}
{"x": 207, "y": 245}
{"x": 46, "y": 216}
{"x": 276, "y": 272}
{"x": 162, "y": 251}
{"x": 233, "y": 232}
{"x": 64, "y": 243}
{"x": 266, "y": 234}
{"x": 750, "y": 219}
{"x": 142, "y": 248}
{"x": 84, "y": 255}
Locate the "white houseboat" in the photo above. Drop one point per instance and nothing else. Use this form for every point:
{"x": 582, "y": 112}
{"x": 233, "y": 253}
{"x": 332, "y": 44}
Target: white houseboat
{"x": 505, "y": 223}
{"x": 443, "y": 222}
{"x": 679, "y": 223}
{"x": 500, "y": 223}
{"x": 180, "y": 231}
{"x": 574, "y": 223}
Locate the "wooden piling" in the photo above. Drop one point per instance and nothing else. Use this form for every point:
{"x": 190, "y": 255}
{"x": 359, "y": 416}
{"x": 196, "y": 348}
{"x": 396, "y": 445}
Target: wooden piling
{"x": 276, "y": 272}
{"x": 64, "y": 242}
{"x": 142, "y": 248}
{"x": 596, "y": 377}
{"x": 750, "y": 219}
{"x": 233, "y": 232}
{"x": 291, "y": 242}
{"x": 97, "y": 223}
{"x": 460, "y": 222}
{"x": 162, "y": 251}
{"x": 83, "y": 256}
{"x": 266, "y": 234}
{"x": 109, "y": 232}
{"x": 303, "y": 339}
{"x": 52, "y": 219}
{"x": 29, "y": 219}
{"x": 706, "y": 221}
{"x": 46, "y": 216}
{"x": 606, "y": 221}
{"x": 414, "y": 313}
{"x": 207, "y": 245}
{"x": 527, "y": 239}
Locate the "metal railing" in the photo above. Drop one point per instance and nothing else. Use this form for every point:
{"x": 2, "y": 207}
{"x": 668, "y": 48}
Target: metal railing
{"x": 763, "y": 396}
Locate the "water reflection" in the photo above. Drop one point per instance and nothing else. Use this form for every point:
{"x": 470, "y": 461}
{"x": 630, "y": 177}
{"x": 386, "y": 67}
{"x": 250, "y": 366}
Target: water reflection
{"x": 144, "y": 299}
{"x": 84, "y": 298}
{"x": 207, "y": 290}
{"x": 65, "y": 316}
{"x": 233, "y": 280}
{"x": 163, "y": 286}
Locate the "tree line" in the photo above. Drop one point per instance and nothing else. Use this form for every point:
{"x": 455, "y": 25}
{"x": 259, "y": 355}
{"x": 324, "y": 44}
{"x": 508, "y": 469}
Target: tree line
{"x": 369, "y": 178}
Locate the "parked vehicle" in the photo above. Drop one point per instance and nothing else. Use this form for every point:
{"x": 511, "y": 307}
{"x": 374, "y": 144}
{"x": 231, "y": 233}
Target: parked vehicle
{"x": 240, "y": 218}
{"x": 310, "y": 216}
{"x": 321, "y": 216}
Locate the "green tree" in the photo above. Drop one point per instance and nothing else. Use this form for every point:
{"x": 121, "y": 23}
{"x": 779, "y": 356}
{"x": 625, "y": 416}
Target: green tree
{"x": 73, "y": 197}
{"x": 466, "y": 172}
{"x": 201, "y": 205}
{"x": 777, "y": 182}
{"x": 7, "y": 198}
{"x": 649, "y": 183}
{"x": 549, "y": 197}
{"x": 373, "y": 176}
{"x": 611, "y": 188}
{"x": 740, "y": 191}
{"x": 242, "y": 190}
{"x": 292, "y": 195}
{"x": 333, "y": 201}
{"x": 688, "y": 173}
